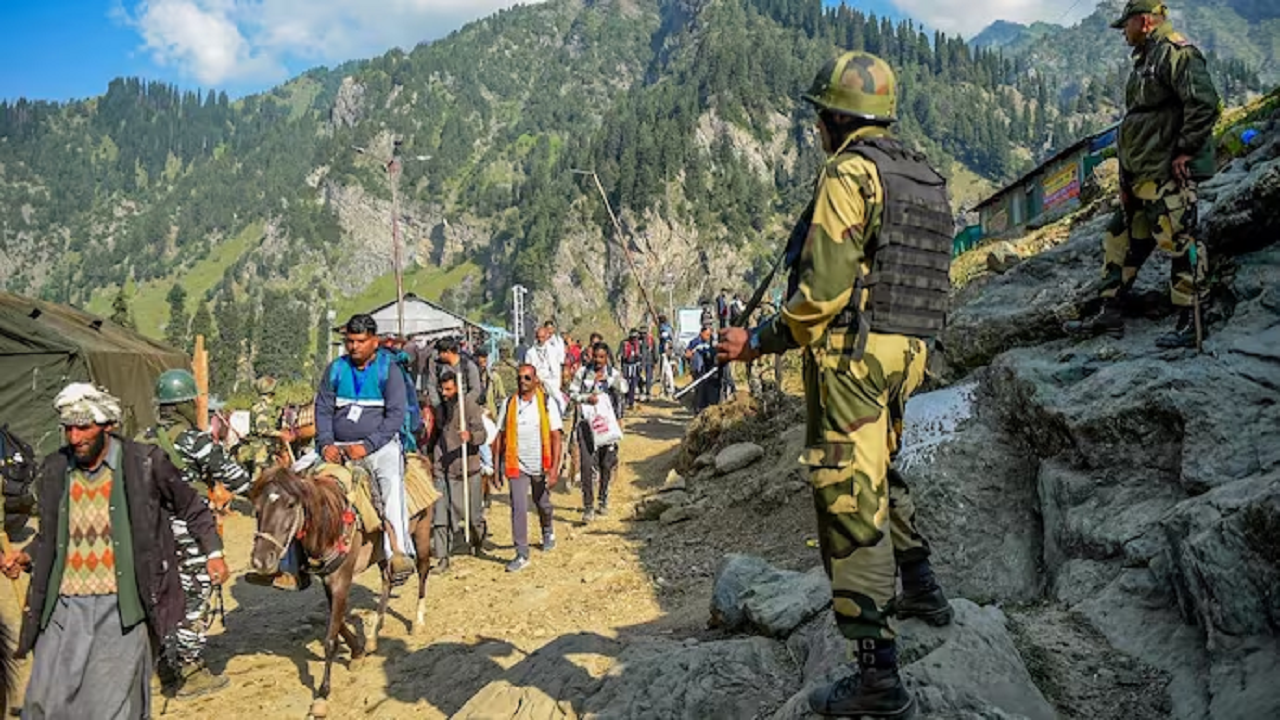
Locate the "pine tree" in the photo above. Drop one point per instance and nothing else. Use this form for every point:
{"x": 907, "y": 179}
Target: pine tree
{"x": 121, "y": 313}
{"x": 175, "y": 333}
{"x": 202, "y": 324}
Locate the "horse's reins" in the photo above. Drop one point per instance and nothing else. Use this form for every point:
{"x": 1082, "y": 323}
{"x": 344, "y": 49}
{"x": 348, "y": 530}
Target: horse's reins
{"x": 319, "y": 566}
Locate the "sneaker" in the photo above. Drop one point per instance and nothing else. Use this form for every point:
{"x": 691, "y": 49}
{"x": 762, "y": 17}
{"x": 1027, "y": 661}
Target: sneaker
{"x": 548, "y": 542}
{"x": 520, "y": 563}
{"x": 588, "y": 516}
{"x": 603, "y": 509}
{"x": 197, "y": 681}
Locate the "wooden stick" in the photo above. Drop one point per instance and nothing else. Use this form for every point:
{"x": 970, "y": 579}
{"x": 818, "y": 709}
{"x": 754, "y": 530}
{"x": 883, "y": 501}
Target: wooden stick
{"x": 200, "y": 369}
{"x": 466, "y": 481}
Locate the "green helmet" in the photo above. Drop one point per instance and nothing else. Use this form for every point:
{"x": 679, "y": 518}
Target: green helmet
{"x": 858, "y": 84}
{"x": 265, "y": 385}
{"x": 175, "y": 386}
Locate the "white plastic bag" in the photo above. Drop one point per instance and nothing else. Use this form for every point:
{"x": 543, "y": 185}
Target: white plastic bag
{"x": 603, "y": 422}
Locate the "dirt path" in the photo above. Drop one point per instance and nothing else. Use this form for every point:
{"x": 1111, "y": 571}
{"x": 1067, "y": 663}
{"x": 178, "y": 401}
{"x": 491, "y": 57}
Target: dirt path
{"x": 481, "y": 620}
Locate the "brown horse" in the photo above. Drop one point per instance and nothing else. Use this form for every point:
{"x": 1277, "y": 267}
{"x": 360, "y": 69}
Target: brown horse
{"x": 315, "y": 511}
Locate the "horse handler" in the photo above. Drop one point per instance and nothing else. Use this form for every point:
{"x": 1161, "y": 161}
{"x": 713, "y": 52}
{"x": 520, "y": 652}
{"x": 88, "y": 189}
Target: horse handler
{"x": 104, "y": 584}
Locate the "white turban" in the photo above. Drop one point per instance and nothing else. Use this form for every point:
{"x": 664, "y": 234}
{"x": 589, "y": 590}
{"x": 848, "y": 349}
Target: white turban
{"x": 83, "y": 404}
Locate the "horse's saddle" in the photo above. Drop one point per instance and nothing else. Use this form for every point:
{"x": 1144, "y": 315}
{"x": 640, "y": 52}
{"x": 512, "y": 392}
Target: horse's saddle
{"x": 420, "y": 491}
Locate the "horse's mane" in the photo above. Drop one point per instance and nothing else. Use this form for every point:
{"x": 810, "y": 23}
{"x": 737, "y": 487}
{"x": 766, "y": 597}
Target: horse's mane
{"x": 323, "y": 502}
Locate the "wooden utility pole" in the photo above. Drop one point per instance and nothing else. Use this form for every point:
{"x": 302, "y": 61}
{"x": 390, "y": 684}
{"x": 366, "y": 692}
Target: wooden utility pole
{"x": 200, "y": 369}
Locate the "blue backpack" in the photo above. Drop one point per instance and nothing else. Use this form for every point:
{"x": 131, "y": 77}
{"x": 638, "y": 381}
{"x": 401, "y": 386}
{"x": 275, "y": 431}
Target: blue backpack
{"x": 413, "y": 410}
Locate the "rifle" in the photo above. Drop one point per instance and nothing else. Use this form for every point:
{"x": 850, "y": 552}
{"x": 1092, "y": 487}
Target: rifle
{"x": 787, "y": 257}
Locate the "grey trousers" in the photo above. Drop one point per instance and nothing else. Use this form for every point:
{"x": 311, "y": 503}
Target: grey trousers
{"x": 86, "y": 666}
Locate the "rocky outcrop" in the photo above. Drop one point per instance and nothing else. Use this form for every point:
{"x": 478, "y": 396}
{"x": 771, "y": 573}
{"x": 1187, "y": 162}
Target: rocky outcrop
{"x": 1138, "y": 487}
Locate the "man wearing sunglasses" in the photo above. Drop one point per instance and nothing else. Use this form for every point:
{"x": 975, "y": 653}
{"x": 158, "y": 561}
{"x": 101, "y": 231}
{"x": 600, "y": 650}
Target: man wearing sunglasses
{"x": 529, "y": 446}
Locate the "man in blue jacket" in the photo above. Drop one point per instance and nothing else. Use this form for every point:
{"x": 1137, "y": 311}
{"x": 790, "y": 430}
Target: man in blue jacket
{"x": 360, "y": 411}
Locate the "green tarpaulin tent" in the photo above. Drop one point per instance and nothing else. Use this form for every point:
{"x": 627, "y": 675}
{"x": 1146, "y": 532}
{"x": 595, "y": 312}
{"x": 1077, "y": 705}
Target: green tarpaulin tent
{"x": 44, "y": 346}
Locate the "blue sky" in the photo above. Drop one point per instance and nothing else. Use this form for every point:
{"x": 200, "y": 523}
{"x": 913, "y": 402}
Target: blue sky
{"x": 64, "y": 49}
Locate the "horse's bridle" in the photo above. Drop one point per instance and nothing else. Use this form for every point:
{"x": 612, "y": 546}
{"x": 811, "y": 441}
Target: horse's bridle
{"x": 298, "y": 519}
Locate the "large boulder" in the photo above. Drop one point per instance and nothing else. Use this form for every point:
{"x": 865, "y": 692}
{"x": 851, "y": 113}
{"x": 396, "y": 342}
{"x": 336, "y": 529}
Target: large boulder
{"x": 737, "y": 456}
{"x": 750, "y": 593}
{"x": 970, "y": 669}
{"x": 975, "y": 496}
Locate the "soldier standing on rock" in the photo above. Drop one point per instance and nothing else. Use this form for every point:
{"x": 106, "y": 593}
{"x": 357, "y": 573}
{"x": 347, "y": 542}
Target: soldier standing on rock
{"x": 264, "y": 414}
{"x": 1166, "y": 147}
{"x": 871, "y": 285}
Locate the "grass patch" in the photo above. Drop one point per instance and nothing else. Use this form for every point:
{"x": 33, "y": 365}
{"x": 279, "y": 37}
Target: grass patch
{"x": 428, "y": 283}
{"x": 151, "y": 310}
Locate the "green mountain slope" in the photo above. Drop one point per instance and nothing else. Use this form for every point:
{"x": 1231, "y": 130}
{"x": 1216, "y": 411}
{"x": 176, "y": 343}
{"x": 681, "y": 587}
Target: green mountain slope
{"x": 271, "y": 211}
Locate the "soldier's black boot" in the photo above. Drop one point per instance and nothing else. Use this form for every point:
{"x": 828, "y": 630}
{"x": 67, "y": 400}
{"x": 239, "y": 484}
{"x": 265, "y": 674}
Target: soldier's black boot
{"x": 1108, "y": 321}
{"x": 921, "y": 596}
{"x": 1184, "y": 332}
{"x": 876, "y": 691}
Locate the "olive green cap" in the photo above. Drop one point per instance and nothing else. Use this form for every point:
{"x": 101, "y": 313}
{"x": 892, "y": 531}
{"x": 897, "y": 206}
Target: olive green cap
{"x": 858, "y": 84}
{"x": 1139, "y": 7}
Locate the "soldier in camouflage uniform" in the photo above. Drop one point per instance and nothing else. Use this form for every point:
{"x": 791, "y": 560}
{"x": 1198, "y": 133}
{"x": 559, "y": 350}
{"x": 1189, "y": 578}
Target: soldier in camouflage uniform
{"x": 869, "y": 285}
{"x": 201, "y": 460}
{"x": 264, "y": 415}
{"x": 1166, "y": 147}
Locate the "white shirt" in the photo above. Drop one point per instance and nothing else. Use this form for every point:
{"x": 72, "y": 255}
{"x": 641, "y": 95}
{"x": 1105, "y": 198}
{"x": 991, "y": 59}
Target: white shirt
{"x": 529, "y": 431}
{"x": 548, "y": 364}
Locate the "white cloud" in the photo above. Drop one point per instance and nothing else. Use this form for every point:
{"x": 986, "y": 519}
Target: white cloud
{"x": 969, "y": 17}
{"x": 221, "y": 41}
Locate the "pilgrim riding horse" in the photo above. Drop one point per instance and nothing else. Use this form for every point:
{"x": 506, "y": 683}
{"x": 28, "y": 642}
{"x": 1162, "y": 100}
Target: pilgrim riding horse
{"x": 316, "y": 511}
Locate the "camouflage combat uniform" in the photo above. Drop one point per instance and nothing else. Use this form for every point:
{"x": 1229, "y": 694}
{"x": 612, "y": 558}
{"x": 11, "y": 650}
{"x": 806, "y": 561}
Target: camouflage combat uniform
{"x": 1171, "y": 107}
{"x": 201, "y": 460}
{"x": 854, "y": 407}
{"x": 264, "y": 432}
{"x": 869, "y": 284}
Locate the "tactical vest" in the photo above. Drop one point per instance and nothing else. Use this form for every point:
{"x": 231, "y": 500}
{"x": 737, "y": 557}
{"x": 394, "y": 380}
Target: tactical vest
{"x": 910, "y": 257}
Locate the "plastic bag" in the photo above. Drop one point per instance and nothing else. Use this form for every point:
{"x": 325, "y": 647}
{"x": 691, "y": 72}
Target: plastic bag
{"x": 603, "y": 422}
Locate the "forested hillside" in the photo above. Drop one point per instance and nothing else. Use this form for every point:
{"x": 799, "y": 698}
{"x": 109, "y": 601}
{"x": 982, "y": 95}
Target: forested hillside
{"x": 248, "y": 220}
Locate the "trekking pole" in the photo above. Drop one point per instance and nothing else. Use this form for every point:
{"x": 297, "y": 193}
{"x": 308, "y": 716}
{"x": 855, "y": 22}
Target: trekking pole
{"x": 1195, "y": 289}
{"x": 466, "y": 481}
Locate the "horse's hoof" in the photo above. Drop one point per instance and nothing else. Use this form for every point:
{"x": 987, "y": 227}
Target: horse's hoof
{"x": 319, "y": 708}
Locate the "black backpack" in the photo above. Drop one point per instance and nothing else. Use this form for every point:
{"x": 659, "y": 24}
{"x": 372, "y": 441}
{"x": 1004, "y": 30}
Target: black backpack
{"x": 18, "y": 466}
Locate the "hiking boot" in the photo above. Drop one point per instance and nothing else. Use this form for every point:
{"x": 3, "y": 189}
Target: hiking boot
{"x": 930, "y": 606}
{"x": 1183, "y": 334}
{"x": 548, "y": 542}
{"x": 284, "y": 581}
{"x": 588, "y": 516}
{"x": 1108, "y": 321}
{"x": 199, "y": 680}
{"x": 874, "y": 692}
{"x": 921, "y": 596}
{"x": 520, "y": 563}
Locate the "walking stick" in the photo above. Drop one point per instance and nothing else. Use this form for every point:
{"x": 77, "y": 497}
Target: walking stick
{"x": 1195, "y": 289}
{"x": 466, "y": 481}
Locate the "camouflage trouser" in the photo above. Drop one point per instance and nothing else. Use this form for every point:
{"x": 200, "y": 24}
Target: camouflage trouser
{"x": 866, "y": 519}
{"x": 1155, "y": 216}
{"x": 185, "y": 645}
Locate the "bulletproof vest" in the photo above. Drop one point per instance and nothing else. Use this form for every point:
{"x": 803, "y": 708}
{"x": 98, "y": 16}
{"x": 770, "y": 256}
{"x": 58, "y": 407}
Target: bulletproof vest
{"x": 910, "y": 257}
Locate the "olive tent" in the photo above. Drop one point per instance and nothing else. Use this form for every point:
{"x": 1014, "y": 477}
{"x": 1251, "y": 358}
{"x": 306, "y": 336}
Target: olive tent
{"x": 44, "y": 346}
